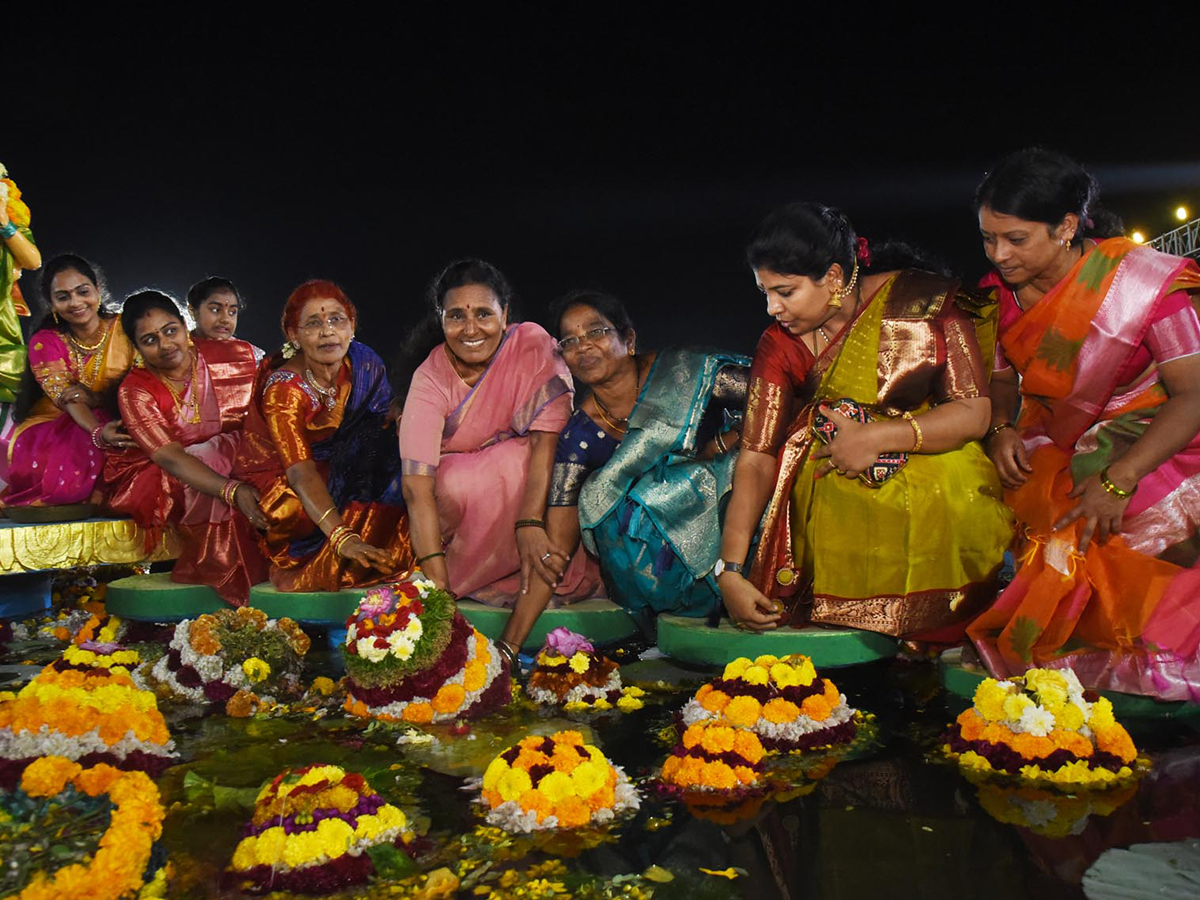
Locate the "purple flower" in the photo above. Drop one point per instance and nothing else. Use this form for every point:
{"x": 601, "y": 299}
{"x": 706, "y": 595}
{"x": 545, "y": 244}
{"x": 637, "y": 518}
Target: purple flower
{"x": 568, "y": 643}
{"x": 376, "y": 602}
{"x": 102, "y": 649}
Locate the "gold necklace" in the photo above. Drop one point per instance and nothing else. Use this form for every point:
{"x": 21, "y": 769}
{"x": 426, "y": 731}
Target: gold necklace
{"x": 80, "y": 345}
{"x": 328, "y": 394}
{"x": 192, "y": 418}
{"x": 604, "y": 413}
{"x": 88, "y": 369}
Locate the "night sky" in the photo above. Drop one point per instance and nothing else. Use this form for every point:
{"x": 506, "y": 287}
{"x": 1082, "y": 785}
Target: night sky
{"x": 625, "y": 146}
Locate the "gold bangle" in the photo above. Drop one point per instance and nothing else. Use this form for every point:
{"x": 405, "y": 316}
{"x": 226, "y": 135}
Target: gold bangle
{"x": 1113, "y": 489}
{"x": 919, "y": 438}
{"x": 325, "y": 515}
{"x": 996, "y": 429}
{"x": 721, "y": 448}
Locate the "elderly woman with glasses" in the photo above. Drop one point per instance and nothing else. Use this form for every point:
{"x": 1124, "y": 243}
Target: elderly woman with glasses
{"x": 642, "y": 465}
{"x": 318, "y": 450}
{"x": 477, "y": 439}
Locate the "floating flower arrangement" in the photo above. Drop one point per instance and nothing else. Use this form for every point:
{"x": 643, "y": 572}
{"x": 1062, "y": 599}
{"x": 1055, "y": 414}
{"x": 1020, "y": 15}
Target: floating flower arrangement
{"x": 312, "y": 830}
{"x": 1049, "y": 812}
{"x": 554, "y": 782}
{"x": 121, "y": 863}
{"x": 85, "y": 707}
{"x": 411, "y": 657}
{"x": 1042, "y": 728}
{"x": 235, "y": 657}
{"x": 569, "y": 674}
{"x": 782, "y": 700}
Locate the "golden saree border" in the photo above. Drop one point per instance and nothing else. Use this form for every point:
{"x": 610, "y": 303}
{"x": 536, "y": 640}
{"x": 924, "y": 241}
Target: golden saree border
{"x": 65, "y": 545}
{"x": 903, "y": 615}
{"x": 766, "y": 416}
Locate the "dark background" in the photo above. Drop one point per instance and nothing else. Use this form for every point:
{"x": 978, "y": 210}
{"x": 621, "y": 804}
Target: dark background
{"x": 624, "y": 146}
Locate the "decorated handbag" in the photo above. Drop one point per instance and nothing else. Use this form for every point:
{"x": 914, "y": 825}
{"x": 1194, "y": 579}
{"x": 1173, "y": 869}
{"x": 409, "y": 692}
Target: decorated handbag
{"x": 885, "y": 466}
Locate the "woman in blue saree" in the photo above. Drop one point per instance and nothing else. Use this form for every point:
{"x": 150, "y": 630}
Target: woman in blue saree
{"x": 642, "y": 465}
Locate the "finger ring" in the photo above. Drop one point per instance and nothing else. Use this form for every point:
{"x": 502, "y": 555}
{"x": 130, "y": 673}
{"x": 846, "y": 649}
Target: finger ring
{"x": 739, "y": 625}
{"x": 841, "y": 471}
{"x": 545, "y": 557}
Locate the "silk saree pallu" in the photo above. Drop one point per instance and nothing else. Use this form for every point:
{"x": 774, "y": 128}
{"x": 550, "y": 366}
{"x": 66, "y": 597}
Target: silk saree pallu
{"x": 918, "y": 555}
{"x": 651, "y": 514}
{"x": 1123, "y": 615}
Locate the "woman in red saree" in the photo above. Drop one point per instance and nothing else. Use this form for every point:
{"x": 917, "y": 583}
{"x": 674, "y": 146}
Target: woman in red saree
{"x": 1102, "y": 466}
{"x": 185, "y": 409}
{"x": 477, "y": 439}
{"x": 319, "y": 448}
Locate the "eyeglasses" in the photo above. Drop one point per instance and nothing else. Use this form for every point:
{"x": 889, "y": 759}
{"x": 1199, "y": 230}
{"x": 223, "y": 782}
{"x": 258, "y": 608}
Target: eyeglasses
{"x": 334, "y": 322}
{"x": 592, "y": 336}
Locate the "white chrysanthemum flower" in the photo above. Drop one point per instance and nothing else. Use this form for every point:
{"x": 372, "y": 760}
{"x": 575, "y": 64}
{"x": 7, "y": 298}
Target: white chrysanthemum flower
{"x": 367, "y": 650}
{"x": 1036, "y": 721}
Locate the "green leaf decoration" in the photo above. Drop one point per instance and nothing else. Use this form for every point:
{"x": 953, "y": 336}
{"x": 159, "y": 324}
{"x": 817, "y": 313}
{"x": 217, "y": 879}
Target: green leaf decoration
{"x": 391, "y": 863}
{"x": 1057, "y": 350}
{"x": 1096, "y": 268}
{"x": 1025, "y": 632}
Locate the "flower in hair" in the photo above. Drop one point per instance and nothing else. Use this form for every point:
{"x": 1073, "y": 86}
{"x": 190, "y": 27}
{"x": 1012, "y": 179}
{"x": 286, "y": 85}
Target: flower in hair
{"x": 863, "y": 252}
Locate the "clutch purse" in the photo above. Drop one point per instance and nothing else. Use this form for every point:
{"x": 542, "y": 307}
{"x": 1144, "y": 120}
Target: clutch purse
{"x": 885, "y": 466}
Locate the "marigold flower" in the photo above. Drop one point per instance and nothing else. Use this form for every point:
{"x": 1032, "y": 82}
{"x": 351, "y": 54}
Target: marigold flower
{"x": 1069, "y": 716}
{"x": 747, "y": 745}
{"x": 48, "y": 775}
{"x": 784, "y": 675}
{"x": 779, "y": 711}
{"x": 323, "y": 686}
{"x": 513, "y": 783}
{"x": 1102, "y": 714}
{"x": 589, "y": 777}
{"x": 766, "y": 660}
{"x": 580, "y": 663}
{"x": 449, "y": 698}
{"x": 756, "y": 675}
{"x": 1115, "y": 740}
{"x": 715, "y": 701}
{"x": 720, "y": 776}
{"x": 256, "y": 669}
{"x": 474, "y": 676}
{"x": 733, "y": 670}
{"x": 715, "y": 738}
{"x": 573, "y": 812}
{"x": 556, "y": 786}
{"x": 816, "y": 708}
{"x": 743, "y": 711}
{"x": 418, "y": 713}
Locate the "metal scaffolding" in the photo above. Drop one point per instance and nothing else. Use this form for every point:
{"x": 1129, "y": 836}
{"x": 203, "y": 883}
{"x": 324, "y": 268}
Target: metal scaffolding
{"x": 1182, "y": 241}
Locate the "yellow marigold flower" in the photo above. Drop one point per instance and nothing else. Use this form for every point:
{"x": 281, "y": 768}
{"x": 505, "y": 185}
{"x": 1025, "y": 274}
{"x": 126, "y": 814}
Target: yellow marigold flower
{"x": 989, "y": 700}
{"x": 575, "y": 706}
{"x": 580, "y": 663}
{"x": 629, "y": 703}
{"x": 513, "y": 783}
{"x": 1015, "y": 704}
{"x": 323, "y": 686}
{"x": 633, "y": 691}
{"x": 48, "y": 775}
{"x": 735, "y": 669}
{"x": 766, "y": 660}
{"x": 495, "y": 769}
{"x": 256, "y": 669}
{"x": 556, "y": 786}
{"x": 589, "y": 777}
{"x": 1102, "y": 714}
{"x": 1069, "y": 716}
{"x": 756, "y": 675}
{"x": 785, "y": 676}
{"x": 552, "y": 659}
{"x": 743, "y": 711}
{"x": 601, "y": 703}
{"x": 474, "y": 676}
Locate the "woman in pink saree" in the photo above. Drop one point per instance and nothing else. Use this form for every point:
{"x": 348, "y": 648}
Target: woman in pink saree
{"x": 477, "y": 438}
{"x": 1100, "y": 341}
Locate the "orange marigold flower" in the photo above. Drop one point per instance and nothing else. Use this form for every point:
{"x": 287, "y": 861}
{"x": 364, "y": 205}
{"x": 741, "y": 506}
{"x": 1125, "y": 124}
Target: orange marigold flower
{"x": 565, "y": 759}
{"x": 743, "y": 711}
{"x": 602, "y": 799}
{"x": 1115, "y": 740}
{"x": 572, "y": 812}
{"x": 690, "y": 771}
{"x": 780, "y": 711}
{"x": 717, "y": 739}
{"x": 1073, "y": 741}
{"x": 572, "y": 738}
{"x": 242, "y": 704}
{"x": 534, "y": 800}
{"x": 418, "y": 713}
{"x": 449, "y": 698}
{"x": 745, "y": 774}
{"x": 48, "y": 775}
{"x": 832, "y": 695}
{"x": 715, "y": 701}
{"x": 704, "y": 691}
{"x": 527, "y": 759}
{"x": 671, "y": 767}
{"x": 720, "y": 776}
{"x": 474, "y": 676}
{"x": 692, "y": 736}
{"x": 816, "y": 708}
{"x": 747, "y": 745}
{"x": 972, "y": 725}
{"x": 98, "y": 779}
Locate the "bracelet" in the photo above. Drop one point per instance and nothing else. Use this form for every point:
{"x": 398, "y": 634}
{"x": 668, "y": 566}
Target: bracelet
{"x": 7, "y": 231}
{"x": 919, "y": 437}
{"x": 529, "y": 523}
{"x": 325, "y": 515}
{"x": 508, "y": 652}
{"x": 96, "y": 439}
{"x": 721, "y": 448}
{"x": 1113, "y": 489}
{"x": 430, "y": 556}
{"x": 341, "y": 540}
{"x": 996, "y": 429}
{"x": 229, "y": 491}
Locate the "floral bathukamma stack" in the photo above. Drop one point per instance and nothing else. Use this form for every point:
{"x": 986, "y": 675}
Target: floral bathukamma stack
{"x": 411, "y": 656}
{"x": 554, "y": 782}
{"x": 782, "y": 700}
{"x": 1042, "y": 728}
{"x": 569, "y": 673}
{"x": 65, "y": 859}
{"x": 311, "y": 832}
{"x": 86, "y": 707}
{"x": 236, "y": 657}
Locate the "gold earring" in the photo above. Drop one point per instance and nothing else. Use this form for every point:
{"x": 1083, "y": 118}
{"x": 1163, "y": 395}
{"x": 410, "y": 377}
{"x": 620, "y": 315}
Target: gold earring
{"x": 835, "y": 299}
{"x": 138, "y": 361}
{"x": 55, "y": 314}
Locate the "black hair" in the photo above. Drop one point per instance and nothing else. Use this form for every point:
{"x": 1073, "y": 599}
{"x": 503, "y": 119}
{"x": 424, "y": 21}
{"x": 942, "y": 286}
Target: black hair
{"x": 30, "y": 391}
{"x": 806, "y": 238}
{"x": 136, "y": 305}
{"x": 605, "y": 304}
{"x": 427, "y": 333}
{"x": 205, "y": 288}
{"x": 1041, "y": 185}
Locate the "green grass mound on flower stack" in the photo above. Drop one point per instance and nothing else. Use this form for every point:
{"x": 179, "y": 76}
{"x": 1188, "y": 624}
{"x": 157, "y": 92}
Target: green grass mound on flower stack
{"x": 411, "y": 657}
{"x": 1042, "y": 728}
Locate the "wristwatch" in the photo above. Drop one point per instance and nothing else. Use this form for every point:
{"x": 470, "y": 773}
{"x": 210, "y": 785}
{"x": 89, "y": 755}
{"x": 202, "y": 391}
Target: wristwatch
{"x": 724, "y": 566}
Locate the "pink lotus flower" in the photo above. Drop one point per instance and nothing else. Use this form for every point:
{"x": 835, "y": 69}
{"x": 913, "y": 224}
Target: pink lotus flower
{"x": 376, "y": 602}
{"x": 567, "y": 642}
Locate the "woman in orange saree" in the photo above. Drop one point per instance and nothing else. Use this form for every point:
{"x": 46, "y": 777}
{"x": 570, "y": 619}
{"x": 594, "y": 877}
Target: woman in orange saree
{"x": 1102, "y": 466}
{"x": 185, "y": 409}
{"x": 320, "y": 450}
{"x": 65, "y": 409}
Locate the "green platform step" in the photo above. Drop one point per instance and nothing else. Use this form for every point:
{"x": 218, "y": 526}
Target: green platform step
{"x": 307, "y": 607}
{"x": 694, "y": 642}
{"x": 600, "y": 621}
{"x": 156, "y": 598}
{"x": 961, "y": 680}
